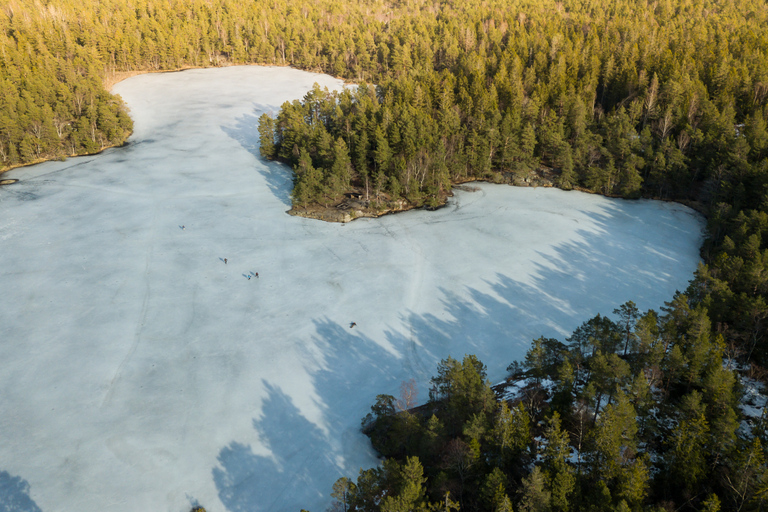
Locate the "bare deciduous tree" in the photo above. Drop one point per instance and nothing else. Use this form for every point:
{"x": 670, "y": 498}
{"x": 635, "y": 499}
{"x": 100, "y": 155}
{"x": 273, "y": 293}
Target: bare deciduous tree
{"x": 408, "y": 395}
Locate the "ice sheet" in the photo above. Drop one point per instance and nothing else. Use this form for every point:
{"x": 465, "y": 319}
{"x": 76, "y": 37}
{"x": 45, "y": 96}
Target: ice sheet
{"x": 138, "y": 371}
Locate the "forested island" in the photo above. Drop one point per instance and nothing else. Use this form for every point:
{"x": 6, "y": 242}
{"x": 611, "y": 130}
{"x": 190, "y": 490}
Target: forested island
{"x": 664, "y": 99}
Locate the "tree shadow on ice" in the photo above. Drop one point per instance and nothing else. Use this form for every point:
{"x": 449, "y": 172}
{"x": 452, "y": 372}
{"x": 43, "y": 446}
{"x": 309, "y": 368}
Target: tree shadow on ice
{"x": 14, "y": 494}
{"x": 497, "y": 327}
{"x": 305, "y": 457}
{"x": 250, "y": 482}
{"x": 246, "y": 132}
{"x": 617, "y": 261}
{"x": 594, "y": 272}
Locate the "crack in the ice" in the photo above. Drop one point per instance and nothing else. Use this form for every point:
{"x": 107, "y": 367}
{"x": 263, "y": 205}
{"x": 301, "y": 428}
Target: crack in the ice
{"x": 139, "y": 326}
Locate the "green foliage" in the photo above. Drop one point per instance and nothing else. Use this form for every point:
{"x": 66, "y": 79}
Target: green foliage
{"x": 653, "y": 422}
{"x": 687, "y": 463}
{"x": 494, "y": 491}
{"x": 464, "y": 390}
{"x": 496, "y": 88}
{"x": 631, "y": 439}
{"x": 558, "y": 474}
{"x": 534, "y": 496}
{"x": 409, "y": 492}
{"x": 266, "y": 136}
{"x": 614, "y": 440}
{"x": 343, "y": 488}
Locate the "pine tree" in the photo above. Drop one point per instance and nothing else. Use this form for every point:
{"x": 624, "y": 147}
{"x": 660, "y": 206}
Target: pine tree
{"x": 267, "y": 147}
{"x": 342, "y": 489}
{"x": 534, "y": 496}
{"x": 409, "y": 494}
{"x": 687, "y": 458}
{"x": 557, "y": 471}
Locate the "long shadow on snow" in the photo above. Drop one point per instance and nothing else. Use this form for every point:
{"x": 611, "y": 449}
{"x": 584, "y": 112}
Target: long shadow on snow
{"x": 245, "y": 478}
{"x": 246, "y": 132}
{"x": 593, "y": 274}
{"x": 305, "y": 458}
{"x": 14, "y": 494}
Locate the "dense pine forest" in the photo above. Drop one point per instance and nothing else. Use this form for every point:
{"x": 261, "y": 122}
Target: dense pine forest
{"x": 641, "y": 413}
{"x": 665, "y": 99}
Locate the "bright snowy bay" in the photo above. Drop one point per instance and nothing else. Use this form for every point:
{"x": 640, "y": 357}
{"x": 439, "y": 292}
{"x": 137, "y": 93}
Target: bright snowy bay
{"x": 139, "y": 371}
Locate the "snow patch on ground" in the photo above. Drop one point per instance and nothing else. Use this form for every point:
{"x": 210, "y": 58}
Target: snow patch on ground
{"x": 141, "y": 371}
{"x": 753, "y": 403}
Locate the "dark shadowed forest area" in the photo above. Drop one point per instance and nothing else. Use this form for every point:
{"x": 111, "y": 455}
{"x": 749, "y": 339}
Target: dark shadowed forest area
{"x": 665, "y": 99}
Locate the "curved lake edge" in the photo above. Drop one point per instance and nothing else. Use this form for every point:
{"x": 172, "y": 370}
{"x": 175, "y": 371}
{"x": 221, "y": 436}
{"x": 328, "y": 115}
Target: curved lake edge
{"x": 110, "y": 81}
{"x": 344, "y": 212}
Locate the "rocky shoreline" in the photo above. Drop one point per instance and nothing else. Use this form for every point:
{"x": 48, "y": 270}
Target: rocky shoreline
{"x": 353, "y": 206}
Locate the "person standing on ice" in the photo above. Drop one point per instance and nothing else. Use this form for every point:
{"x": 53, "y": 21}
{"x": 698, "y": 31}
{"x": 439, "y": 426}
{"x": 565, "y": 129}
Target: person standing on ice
{"x": 225, "y": 261}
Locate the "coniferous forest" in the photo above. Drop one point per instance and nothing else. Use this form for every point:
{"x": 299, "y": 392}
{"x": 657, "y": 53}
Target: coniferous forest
{"x": 665, "y": 99}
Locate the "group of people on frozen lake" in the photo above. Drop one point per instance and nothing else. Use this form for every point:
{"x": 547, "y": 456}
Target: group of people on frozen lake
{"x": 225, "y": 260}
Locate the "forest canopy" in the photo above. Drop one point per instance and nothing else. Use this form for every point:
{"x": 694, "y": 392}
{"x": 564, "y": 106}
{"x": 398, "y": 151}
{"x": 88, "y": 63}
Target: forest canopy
{"x": 635, "y": 414}
{"x": 508, "y": 84}
{"x": 621, "y": 98}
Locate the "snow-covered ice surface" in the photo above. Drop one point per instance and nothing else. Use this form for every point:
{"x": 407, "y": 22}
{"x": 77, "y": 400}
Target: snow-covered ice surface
{"x": 138, "y": 371}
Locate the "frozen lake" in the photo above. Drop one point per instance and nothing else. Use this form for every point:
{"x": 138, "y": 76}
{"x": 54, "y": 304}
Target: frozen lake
{"x": 138, "y": 371}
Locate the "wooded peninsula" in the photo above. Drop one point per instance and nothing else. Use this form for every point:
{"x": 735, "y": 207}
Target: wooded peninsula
{"x": 665, "y": 99}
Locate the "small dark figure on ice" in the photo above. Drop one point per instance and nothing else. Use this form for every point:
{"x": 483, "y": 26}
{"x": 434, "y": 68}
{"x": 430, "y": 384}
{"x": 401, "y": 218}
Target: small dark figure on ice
{"x": 225, "y": 261}
{"x": 352, "y": 324}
